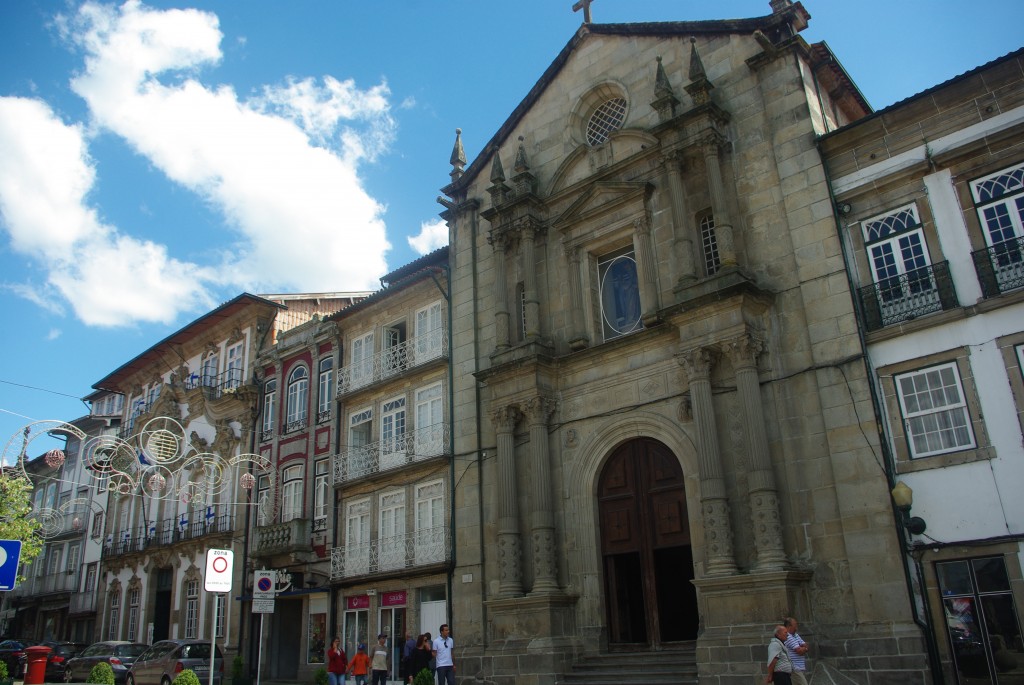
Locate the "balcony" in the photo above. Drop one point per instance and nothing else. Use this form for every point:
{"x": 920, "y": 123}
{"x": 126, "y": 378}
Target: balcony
{"x": 282, "y": 538}
{"x": 166, "y": 532}
{"x": 295, "y": 426}
{"x": 1000, "y": 267}
{"x": 62, "y": 581}
{"x": 393, "y": 361}
{"x": 427, "y": 547}
{"x": 907, "y": 296}
{"x": 83, "y": 602}
{"x": 58, "y": 525}
{"x": 385, "y": 455}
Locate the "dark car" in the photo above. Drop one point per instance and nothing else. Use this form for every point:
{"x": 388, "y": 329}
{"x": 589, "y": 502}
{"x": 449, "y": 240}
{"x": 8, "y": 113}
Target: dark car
{"x": 57, "y": 659}
{"x": 118, "y": 653}
{"x": 159, "y": 664}
{"x": 12, "y": 653}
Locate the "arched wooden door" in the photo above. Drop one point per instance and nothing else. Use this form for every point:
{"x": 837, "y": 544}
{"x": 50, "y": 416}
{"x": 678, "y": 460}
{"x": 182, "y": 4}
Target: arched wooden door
{"x": 645, "y": 547}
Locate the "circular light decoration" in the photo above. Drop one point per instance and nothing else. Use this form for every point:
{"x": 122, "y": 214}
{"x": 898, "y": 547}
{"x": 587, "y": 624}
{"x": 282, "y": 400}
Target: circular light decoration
{"x": 247, "y": 481}
{"x": 54, "y": 458}
{"x": 157, "y": 482}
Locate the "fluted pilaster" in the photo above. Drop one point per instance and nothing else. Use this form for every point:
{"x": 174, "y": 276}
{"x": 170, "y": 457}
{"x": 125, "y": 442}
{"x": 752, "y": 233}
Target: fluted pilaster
{"x": 646, "y": 274}
{"x": 501, "y": 243}
{"x": 716, "y": 187}
{"x": 545, "y": 559}
{"x": 528, "y": 230}
{"x": 510, "y": 554}
{"x": 682, "y": 227}
{"x": 714, "y": 501}
{"x": 574, "y": 255}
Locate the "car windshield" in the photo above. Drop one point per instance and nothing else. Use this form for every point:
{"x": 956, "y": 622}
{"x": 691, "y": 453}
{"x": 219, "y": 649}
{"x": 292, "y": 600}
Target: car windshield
{"x": 197, "y": 651}
{"x": 130, "y": 650}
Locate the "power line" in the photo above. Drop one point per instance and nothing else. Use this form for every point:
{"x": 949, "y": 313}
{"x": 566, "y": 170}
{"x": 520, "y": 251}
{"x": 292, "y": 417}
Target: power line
{"x": 32, "y": 387}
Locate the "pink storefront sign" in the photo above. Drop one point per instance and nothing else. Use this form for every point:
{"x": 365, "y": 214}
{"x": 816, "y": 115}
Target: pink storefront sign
{"x": 358, "y": 602}
{"x": 393, "y": 599}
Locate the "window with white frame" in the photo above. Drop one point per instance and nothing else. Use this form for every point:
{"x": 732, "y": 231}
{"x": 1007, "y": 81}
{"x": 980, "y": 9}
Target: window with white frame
{"x": 191, "y": 608}
{"x": 133, "y": 613}
{"x": 357, "y": 537}
{"x": 298, "y": 398}
{"x": 430, "y": 332}
{"x": 211, "y": 367}
{"x": 218, "y": 628}
{"x": 999, "y": 201}
{"x": 74, "y": 556}
{"x": 392, "y": 433}
{"x": 51, "y": 496}
{"x": 430, "y": 529}
{"x": 393, "y": 353}
{"x": 619, "y": 293}
{"x": 55, "y": 555}
{"x": 269, "y": 407}
{"x": 360, "y": 428}
{"x": 115, "y": 614}
{"x": 325, "y": 397}
{"x": 153, "y": 394}
{"x": 709, "y": 244}
{"x": 264, "y": 503}
{"x": 234, "y": 370}
{"x": 362, "y": 360}
{"x": 321, "y": 494}
{"x": 90, "y": 579}
{"x": 37, "y": 500}
{"x": 429, "y": 421}
{"x": 291, "y": 493}
{"x": 97, "y": 524}
{"x": 897, "y": 252}
{"x": 934, "y": 410}
{"x": 391, "y": 513}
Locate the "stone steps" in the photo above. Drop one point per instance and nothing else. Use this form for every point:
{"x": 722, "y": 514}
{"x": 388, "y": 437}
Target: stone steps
{"x": 676, "y": 666}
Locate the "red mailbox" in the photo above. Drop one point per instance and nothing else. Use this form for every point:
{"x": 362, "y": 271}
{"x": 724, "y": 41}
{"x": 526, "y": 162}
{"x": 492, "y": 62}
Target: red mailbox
{"x": 35, "y": 666}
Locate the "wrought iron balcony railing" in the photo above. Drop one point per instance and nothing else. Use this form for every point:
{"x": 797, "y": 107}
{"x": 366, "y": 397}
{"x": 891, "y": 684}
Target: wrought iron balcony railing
{"x": 907, "y": 296}
{"x": 395, "y": 453}
{"x": 166, "y": 532}
{"x": 283, "y": 538}
{"x": 83, "y": 602}
{"x": 424, "y": 547}
{"x": 1000, "y": 267}
{"x": 324, "y": 415}
{"x": 393, "y": 361}
{"x": 62, "y": 581}
{"x": 294, "y": 425}
{"x": 266, "y": 434}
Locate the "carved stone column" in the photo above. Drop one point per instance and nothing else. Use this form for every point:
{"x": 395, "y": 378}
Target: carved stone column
{"x": 545, "y": 560}
{"x": 510, "y": 554}
{"x": 579, "y": 339}
{"x": 713, "y": 498}
{"x": 682, "y": 227}
{"x": 646, "y": 273}
{"x": 501, "y": 243}
{"x": 723, "y": 223}
{"x": 528, "y": 230}
{"x": 764, "y": 500}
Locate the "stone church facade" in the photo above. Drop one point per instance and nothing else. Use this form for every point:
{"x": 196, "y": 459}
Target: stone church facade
{"x": 664, "y": 434}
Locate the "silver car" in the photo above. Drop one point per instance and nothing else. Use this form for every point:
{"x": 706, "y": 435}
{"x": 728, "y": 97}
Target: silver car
{"x": 119, "y": 654}
{"x": 162, "y": 662}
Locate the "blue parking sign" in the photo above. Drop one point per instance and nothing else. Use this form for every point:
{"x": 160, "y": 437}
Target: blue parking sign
{"x": 10, "y": 557}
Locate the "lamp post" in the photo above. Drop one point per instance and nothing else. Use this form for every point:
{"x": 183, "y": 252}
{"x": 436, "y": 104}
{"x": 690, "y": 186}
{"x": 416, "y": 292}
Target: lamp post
{"x": 903, "y": 497}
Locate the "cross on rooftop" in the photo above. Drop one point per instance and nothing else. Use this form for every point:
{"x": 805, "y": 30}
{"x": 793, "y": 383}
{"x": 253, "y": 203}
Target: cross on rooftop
{"x": 585, "y": 6}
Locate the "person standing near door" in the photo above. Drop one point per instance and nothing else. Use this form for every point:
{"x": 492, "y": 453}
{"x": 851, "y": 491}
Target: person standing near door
{"x": 380, "y": 661}
{"x": 443, "y": 655}
{"x": 337, "y": 664}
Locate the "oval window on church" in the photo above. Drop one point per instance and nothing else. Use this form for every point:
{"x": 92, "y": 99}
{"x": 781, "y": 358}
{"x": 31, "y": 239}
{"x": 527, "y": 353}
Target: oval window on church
{"x": 605, "y": 120}
{"x": 620, "y": 293}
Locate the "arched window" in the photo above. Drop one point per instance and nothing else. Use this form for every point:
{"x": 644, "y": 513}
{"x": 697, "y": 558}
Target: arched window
{"x": 298, "y": 399}
{"x": 115, "y": 612}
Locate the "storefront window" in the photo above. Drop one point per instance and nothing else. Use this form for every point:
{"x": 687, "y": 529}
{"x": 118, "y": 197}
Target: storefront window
{"x": 317, "y": 636}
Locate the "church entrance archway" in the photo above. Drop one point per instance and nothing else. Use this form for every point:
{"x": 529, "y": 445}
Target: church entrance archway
{"x": 645, "y": 547}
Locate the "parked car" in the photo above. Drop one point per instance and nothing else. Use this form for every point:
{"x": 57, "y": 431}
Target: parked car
{"x": 12, "y": 652}
{"x": 159, "y": 664}
{"x": 118, "y": 653}
{"x": 56, "y": 660}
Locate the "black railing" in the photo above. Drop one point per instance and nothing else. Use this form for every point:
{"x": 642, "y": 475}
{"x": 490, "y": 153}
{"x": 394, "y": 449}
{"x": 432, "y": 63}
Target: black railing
{"x": 1000, "y": 267}
{"x": 296, "y": 425}
{"x": 323, "y": 416}
{"x": 907, "y": 296}
{"x": 166, "y": 532}
{"x": 266, "y": 434}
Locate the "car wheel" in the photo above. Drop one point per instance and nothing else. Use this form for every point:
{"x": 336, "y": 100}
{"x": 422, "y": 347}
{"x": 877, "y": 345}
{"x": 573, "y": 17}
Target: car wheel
{"x": 67, "y": 676}
{"x": 165, "y": 681}
{"x": 129, "y": 679}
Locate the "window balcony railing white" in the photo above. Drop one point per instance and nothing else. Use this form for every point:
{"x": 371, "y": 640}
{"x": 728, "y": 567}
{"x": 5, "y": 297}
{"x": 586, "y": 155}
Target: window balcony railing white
{"x": 425, "y": 547}
{"x": 282, "y": 538}
{"x": 62, "y": 581}
{"x": 393, "y": 361}
{"x": 83, "y": 602}
{"x": 385, "y": 455}
{"x": 1000, "y": 267}
{"x": 908, "y": 296}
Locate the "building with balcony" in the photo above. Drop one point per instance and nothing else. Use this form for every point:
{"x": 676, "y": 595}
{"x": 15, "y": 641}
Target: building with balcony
{"x": 390, "y": 472}
{"x": 664, "y": 438}
{"x": 290, "y": 530}
{"x": 930, "y": 194}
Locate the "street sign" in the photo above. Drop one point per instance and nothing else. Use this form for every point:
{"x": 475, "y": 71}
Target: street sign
{"x": 218, "y": 570}
{"x": 263, "y": 591}
{"x": 10, "y": 557}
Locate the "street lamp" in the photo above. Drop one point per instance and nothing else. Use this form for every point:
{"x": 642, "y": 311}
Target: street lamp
{"x": 903, "y": 497}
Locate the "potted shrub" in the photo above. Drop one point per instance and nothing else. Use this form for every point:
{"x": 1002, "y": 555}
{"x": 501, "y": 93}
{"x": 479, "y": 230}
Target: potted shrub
{"x": 238, "y": 676}
{"x": 320, "y": 676}
{"x": 5, "y": 677}
{"x": 101, "y": 674}
{"x": 186, "y": 677}
{"x": 424, "y": 677}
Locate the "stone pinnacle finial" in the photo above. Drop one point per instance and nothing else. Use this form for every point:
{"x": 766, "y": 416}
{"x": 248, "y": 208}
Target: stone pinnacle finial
{"x": 497, "y": 170}
{"x": 665, "y": 99}
{"x": 458, "y": 159}
{"x": 521, "y": 165}
{"x": 696, "y": 65}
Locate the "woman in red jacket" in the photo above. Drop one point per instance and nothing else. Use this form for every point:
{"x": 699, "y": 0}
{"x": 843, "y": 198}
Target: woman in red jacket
{"x": 337, "y": 664}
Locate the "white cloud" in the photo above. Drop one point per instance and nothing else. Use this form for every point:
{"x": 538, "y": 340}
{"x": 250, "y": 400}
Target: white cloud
{"x": 432, "y": 235}
{"x": 53, "y": 334}
{"x": 108, "y": 278}
{"x": 281, "y": 168}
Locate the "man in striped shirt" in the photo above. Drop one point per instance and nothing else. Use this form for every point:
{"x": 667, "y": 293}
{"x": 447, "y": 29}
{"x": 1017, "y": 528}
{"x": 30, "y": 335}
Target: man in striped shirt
{"x": 797, "y": 649}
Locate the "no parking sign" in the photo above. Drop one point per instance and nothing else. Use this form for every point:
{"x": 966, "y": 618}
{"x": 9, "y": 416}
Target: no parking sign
{"x": 218, "y": 570}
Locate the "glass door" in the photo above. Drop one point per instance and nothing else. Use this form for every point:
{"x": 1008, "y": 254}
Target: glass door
{"x": 355, "y": 631}
{"x": 392, "y": 623}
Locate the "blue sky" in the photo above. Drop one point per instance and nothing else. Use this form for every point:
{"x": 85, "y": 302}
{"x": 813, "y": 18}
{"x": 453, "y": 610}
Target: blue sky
{"x": 158, "y": 158}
